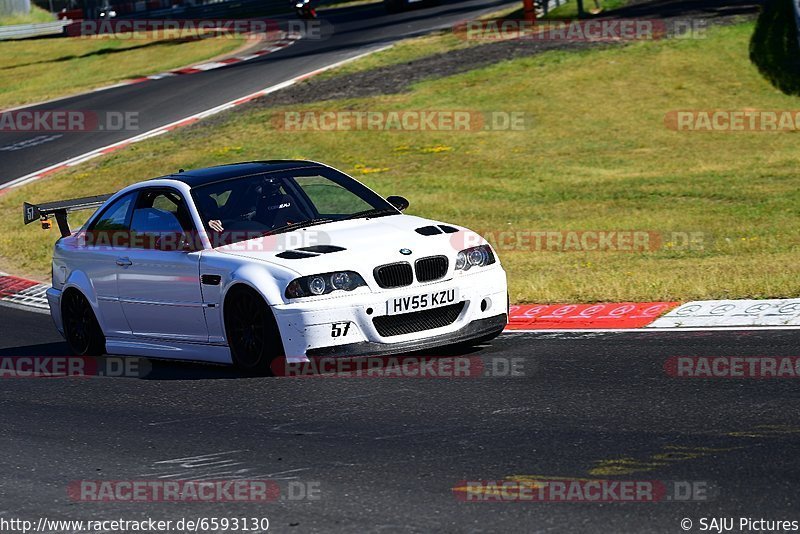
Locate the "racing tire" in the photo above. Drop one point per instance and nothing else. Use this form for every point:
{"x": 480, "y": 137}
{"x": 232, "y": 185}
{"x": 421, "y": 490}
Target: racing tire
{"x": 81, "y": 329}
{"x": 253, "y": 335}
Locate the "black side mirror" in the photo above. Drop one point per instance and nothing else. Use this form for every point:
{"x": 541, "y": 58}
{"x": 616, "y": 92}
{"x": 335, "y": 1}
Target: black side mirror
{"x": 398, "y": 202}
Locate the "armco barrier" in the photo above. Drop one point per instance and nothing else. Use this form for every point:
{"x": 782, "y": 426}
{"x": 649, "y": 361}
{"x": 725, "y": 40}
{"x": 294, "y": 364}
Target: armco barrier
{"x": 23, "y": 31}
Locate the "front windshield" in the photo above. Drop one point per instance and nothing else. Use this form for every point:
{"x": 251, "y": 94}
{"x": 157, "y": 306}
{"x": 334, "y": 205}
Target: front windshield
{"x": 243, "y": 208}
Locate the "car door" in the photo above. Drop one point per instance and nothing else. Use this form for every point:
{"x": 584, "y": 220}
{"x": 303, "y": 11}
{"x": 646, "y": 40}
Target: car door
{"x": 159, "y": 280}
{"x": 104, "y": 241}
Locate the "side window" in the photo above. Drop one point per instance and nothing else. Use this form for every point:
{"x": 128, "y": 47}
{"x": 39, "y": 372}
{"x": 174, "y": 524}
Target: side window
{"x": 160, "y": 221}
{"x": 115, "y": 216}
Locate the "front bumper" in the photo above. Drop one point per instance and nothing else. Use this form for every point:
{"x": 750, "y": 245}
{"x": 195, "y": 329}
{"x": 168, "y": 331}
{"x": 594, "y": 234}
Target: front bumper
{"x": 54, "y": 301}
{"x": 308, "y": 328}
{"x": 477, "y": 329}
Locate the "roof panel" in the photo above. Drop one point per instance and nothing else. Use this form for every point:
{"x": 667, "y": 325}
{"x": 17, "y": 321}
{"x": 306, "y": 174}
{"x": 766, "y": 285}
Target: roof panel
{"x": 198, "y": 177}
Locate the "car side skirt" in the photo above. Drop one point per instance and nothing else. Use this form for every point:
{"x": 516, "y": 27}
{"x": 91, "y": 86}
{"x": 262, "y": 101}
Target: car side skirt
{"x": 173, "y": 350}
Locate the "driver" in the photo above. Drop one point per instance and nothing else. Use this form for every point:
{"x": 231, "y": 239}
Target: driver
{"x": 271, "y": 206}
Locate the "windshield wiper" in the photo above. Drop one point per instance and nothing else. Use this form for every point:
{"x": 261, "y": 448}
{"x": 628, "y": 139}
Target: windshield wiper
{"x": 296, "y": 226}
{"x": 375, "y": 212}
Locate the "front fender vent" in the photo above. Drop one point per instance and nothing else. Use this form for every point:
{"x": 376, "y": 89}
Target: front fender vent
{"x": 210, "y": 279}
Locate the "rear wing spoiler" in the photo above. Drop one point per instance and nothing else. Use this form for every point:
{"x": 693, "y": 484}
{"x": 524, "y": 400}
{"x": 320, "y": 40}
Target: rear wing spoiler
{"x": 59, "y": 209}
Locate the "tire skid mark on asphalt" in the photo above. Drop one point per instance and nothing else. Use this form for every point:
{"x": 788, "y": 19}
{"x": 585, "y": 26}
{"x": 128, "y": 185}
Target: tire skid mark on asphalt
{"x": 766, "y": 431}
{"x": 513, "y": 410}
{"x": 278, "y": 429}
{"x": 669, "y": 455}
{"x": 277, "y": 410}
{"x": 214, "y": 466}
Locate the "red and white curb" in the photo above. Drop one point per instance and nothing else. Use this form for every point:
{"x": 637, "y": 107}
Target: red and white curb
{"x": 621, "y": 316}
{"x": 21, "y": 292}
{"x": 286, "y": 40}
{"x": 77, "y": 160}
{"x": 732, "y": 314}
{"x": 776, "y": 314}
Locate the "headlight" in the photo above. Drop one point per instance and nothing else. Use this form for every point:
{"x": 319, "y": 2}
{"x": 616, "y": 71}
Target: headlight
{"x": 461, "y": 261}
{"x": 322, "y": 284}
{"x": 342, "y": 281}
{"x": 317, "y": 285}
{"x": 474, "y": 257}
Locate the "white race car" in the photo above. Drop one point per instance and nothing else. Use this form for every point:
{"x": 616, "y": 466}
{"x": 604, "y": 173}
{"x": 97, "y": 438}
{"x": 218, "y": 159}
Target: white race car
{"x": 250, "y": 262}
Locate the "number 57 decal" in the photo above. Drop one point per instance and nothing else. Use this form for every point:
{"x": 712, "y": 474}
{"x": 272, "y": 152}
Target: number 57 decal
{"x": 339, "y": 329}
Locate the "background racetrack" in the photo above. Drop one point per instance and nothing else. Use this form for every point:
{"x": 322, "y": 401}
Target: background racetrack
{"x": 347, "y": 33}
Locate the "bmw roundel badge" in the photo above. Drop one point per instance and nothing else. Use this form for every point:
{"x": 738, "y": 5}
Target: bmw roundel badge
{"x": 405, "y": 251}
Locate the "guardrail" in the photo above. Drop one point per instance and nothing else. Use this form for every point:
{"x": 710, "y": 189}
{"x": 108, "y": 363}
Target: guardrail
{"x": 23, "y": 31}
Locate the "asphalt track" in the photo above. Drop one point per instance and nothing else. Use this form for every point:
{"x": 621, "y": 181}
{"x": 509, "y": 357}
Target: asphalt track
{"x": 385, "y": 453}
{"x": 346, "y": 33}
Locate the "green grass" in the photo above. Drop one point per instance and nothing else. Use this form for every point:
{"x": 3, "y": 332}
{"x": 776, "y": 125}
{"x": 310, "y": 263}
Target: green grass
{"x": 37, "y": 15}
{"x": 414, "y": 48}
{"x": 402, "y": 52}
{"x": 41, "y": 69}
{"x": 597, "y": 157}
{"x": 446, "y": 41}
{"x": 569, "y": 9}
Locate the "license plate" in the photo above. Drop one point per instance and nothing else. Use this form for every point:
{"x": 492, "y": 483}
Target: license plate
{"x": 426, "y": 301}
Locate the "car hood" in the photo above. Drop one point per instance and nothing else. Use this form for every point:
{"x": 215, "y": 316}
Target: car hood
{"x": 356, "y": 244}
